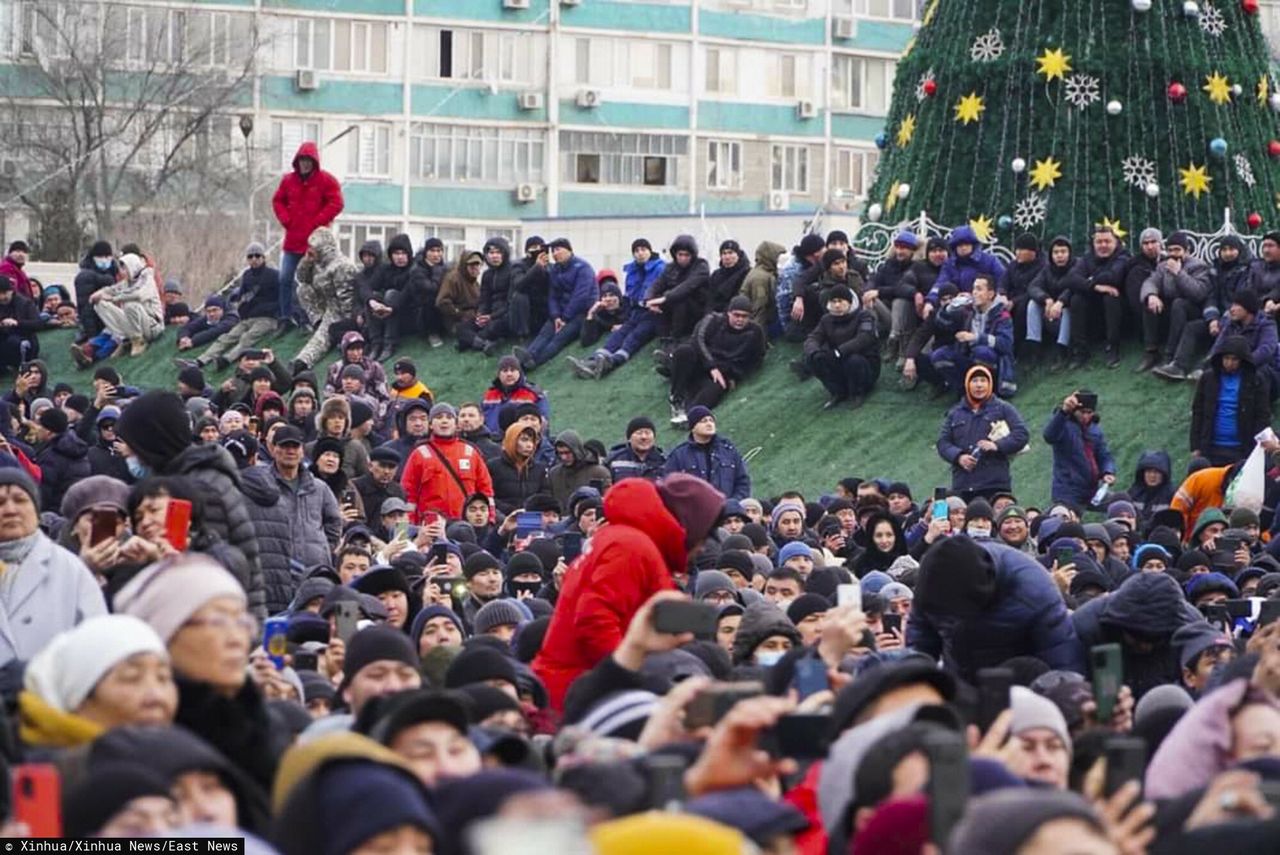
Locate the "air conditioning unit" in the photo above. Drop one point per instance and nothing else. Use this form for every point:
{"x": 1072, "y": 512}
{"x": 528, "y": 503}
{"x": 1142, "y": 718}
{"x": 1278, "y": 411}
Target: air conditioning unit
{"x": 806, "y": 109}
{"x": 306, "y": 80}
{"x": 526, "y": 193}
{"x": 530, "y": 100}
{"x": 589, "y": 98}
{"x": 515, "y": 4}
{"x": 779, "y": 201}
{"x": 844, "y": 28}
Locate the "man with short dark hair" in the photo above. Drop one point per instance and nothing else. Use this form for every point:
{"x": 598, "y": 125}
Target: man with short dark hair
{"x": 379, "y": 483}
{"x": 572, "y": 292}
{"x": 1174, "y": 298}
{"x": 1081, "y": 459}
{"x": 61, "y": 455}
{"x": 19, "y": 323}
{"x": 1098, "y": 293}
{"x": 12, "y": 266}
{"x": 710, "y": 456}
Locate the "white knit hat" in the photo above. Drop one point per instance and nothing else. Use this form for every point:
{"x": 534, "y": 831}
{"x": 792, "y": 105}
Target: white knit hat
{"x": 167, "y": 593}
{"x": 1032, "y": 711}
{"x": 66, "y": 671}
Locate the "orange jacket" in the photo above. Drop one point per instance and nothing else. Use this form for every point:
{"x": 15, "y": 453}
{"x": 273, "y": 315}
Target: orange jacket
{"x": 1202, "y": 490}
{"x": 429, "y": 486}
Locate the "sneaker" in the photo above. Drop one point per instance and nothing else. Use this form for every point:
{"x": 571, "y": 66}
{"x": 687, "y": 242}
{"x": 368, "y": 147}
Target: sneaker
{"x": 80, "y": 355}
{"x": 833, "y": 402}
{"x": 1149, "y": 361}
{"x": 663, "y": 363}
{"x": 435, "y": 340}
{"x": 678, "y": 416}
{"x": 1194, "y": 376}
{"x": 1170, "y": 371}
{"x": 600, "y": 367}
{"x": 185, "y": 363}
{"x": 1113, "y": 356}
{"x": 526, "y": 358}
{"x": 584, "y": 368}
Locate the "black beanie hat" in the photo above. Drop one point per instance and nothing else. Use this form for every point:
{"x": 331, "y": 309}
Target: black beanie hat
{"x": 375, "y": 644}
{"x": 79, "y": 403}
{"x": 478, "y": 562}
{"x": 52, "y": 419}
{"x": 1026, "y": 240}
{"x": 957, "y": 576}
{"x": 101, "y": 249}
{"x": 105, "y": 791}
{"x": 831, "y": 256}
{"x": 1247, "y": 299}
{"x": 639, "y": 422}
{"x": 191, "y": 377}
{"x": 262, "y": 372}
{"x": 806, "y": 604}
{"x": 156, "y": 426}
{"x": 731, "y": 244}
{"x": 478, "y": 664}
{"x": 640, "y": 242}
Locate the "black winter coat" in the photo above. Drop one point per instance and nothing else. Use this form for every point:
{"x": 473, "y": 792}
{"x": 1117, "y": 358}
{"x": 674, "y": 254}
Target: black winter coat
{"x": 1056, "y": 283}
{"x": 495, "y": 284}
{"x": 295, "y": 530}
{"x": 737, "y": 353}
{"x": 1255, "y": 406}
{"x": 890, "y": 280}
{"x": 104, "y": 461}
{"x": 920, "y": 279}
{"x": 513, "y": 487}
{"x": 725, "y": 283}
{"x": 852, "y": 332}
{"x": 1018, "y": 277}
{"x": 372, "y": 495}
{"x": 63, "y": 460}
{"x": 259, "y": 293}
{"x": 242, "y": 728}
{"x": 24, "y": 312}
{"x": 683, "y": 284}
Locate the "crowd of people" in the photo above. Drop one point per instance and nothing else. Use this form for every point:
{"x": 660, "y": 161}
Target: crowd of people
{"x": 321, "y": 608}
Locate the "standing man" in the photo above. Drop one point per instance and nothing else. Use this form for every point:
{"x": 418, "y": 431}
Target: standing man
{"x": 19, "y": 322}
{"x": 710, "y": 457}
{"x": 1081, "y": 458}
{"x": 12, "y": 265}
{"x": 572, "y": 292}
{"x": 307, "y": 198}
{"x": 443, "y": 471}
{"x": 1230, "y": 405}
{"x": 639, "y": 456}
{"x": 978, "y": 438}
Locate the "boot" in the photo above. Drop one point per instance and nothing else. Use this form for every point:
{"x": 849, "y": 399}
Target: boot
{"x": 584, "y": 368}
{"x": 1079, "y": 359}
{"x": 890, "y": 350}
{"x": 139, "y": 345}
{"x": 1150, "y": 360}
{"x": 1059, "y": 360}
{"x": 82, "y": 354}
{"x": 1170, "y": 371}
{"x": 1113, "y": 356}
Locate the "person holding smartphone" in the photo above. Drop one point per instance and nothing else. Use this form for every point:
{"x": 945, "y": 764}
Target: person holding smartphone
{"x": 1082, "y": 461}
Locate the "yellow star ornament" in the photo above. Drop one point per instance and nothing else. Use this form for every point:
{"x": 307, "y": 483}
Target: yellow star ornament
{"x": 906, "y": 130}
{"x": 969, "y": 108}
{"x": 1046, "y": 172}
{"x": 892, "y": 199}
{"x": 1114, "y": 225}
{"x": 1218, "y": 87}
{"x": 1264, "y": 89}
{"x": 1054, "y": 64}
{"x": 981, "y": 226}
{"x": 1195, "y": 180}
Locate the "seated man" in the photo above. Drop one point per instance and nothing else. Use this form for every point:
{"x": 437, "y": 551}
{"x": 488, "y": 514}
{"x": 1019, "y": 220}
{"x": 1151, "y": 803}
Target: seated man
{"x": 985, "y": 336}
{"x": 215, "y": 322}
{"x": 388, "y": 294}
{"x": 1174, "y": 295}
{"x": 678, "y": 298}
{"x": 640, "y": 324}
{"x": 256, "y": 297}
{"x": 725, "y": 350}
{"x": 572, "y": 292}
{"x": 843, "y": 351}
{"x": 492, "y": 323}
{"x": 326, "y": 290}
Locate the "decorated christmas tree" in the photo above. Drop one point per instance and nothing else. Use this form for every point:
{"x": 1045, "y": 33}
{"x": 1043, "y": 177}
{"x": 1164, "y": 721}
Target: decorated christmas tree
{"x": 1050, "y": 116}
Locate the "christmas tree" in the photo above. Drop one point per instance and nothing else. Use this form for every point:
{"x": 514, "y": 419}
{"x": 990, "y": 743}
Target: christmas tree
{"x": 1051, "y": 117}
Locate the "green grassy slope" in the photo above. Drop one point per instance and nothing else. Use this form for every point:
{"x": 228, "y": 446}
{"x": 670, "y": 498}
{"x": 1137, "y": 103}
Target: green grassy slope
{"x": 774, "y": 419}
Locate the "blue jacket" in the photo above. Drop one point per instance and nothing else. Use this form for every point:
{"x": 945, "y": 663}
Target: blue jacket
{"x": 1261, "y": 335}
{"x": 962, "y": 271}
{"x": 573, "y": 289}
{"x": 718, "y": 463}
{"x": 1026, "y": 618}
{"x": 623, "y": 463}
{"x": 962, "y": 429}
{"x": 1073, "y": 481}
{"x": 640, "y": 279}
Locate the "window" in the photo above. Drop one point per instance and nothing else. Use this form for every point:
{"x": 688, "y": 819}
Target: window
{"x": 790, "y": 168}
{"x": 650, "y": 65}
{"x": 340, "y": 45}
{"x": 453, "y": 54}
{"x": 217, "y": 39}
{"x": 311, "y": 43}
{"x": 899, "y": 10}
{"x": 369, "y": 151}
{"x": 783, "y": 83}
{"x": 505, "y": 156}
{"x": 635, "y": 64}
{"x": 862, "y": 83}
{"x": 49, "y": 29}
{"x": 721, "y": 71}
{"x": 352, "y": 236}
{"x": 854, "y": 169}
{"x": 582, "y": 61}
{"x": 622, "y": 159}
{"x": 453, "y": 237}
{"x": 286, "y": 136}
{"x": 724, "y": 165}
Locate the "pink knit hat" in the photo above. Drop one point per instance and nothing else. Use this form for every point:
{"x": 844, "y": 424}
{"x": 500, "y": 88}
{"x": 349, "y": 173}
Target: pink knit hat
{"x": 166, "y": 594}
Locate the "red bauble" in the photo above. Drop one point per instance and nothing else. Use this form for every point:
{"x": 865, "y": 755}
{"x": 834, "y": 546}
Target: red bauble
{"x": 1254, "y": 220}
{"x": 931, "y": 88}
{"x": 1250, "y": 6}
{"x": 1273, "y": 148}
{"x": 1177, "y": 92}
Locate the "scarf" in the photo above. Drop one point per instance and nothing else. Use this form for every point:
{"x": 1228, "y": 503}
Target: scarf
{"x": 14, "y": 552}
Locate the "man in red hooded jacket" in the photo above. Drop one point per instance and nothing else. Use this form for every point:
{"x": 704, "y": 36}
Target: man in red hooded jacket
{"x": 307, "y": 198}
{"x": 652, "y": 529}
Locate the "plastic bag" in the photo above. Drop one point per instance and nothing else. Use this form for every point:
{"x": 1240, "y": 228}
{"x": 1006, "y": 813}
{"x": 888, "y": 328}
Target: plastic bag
{"x": 1247, "y": 490}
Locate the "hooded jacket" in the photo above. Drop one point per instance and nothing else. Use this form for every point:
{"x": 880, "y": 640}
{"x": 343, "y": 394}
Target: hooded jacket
{"x": 297, "y": 526}
{"x": 683, "y": 284}
{"x": 495, "y": 282}
{"x": 572, "y": 289}
{"x": 725, "y": 282}
{"x": 429, "y": 480}
{"x": 459, "y": 293}
{"x": 622, "y": 565}
{"x": 21, "y": 282}
{"x": 329, "y": 278}
{"x": 962, "y": 271}
{"x": 139, "y": 288}
{"x": 367, "y": 274}
{"x": 303, "y": 205}
{"x": 1254, "y": 410}
{"x": 639, "y": 279}
{"x": 1260, "y": 334}
{"x": 716, "y": 462}
{"x": 761, "y": 621}
{"x": 1146, "y": 499}
{"x": 965, "y": 425}
{"x": 1019, "y": 276}
{"x": 1226, "y": 279}
{"x": 63, "y": 460}
{"x": 514, "y": 481}
{"x": 409, "y": 281}
{"x": 523, "y": 392}
{"x": 375, "y": 377}
{"x": 1201, "y": 491}
{"x": 1074, "y": 479}
{"x": 1055, "y": 282}
{"x": 565, "y": 478}
{"x": 1026, "y": 617}
{"x": 760, "y": 285}
{"x": 1150, "y": 604}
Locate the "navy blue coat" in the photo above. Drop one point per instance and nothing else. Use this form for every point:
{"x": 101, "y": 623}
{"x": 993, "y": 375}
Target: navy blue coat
{"x": 1073, "y": 481}
{"x": 573, "y": 289}
{"x": 718, "y": 463}
{"x": 962, "y": 429}
{"x": 1026, "y": 618}
{"x": 624, "y": 463}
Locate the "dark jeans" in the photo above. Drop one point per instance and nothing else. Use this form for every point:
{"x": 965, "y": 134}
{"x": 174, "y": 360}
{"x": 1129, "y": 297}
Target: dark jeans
{"x": 850, "y": 375}
{"x": 16, "y": 348}
{"x": 678, "y": 320}
{"x": 691, "y": 381}
{"x": 1224, "y": 456}
{"x": 386, "y": 331}
{"x": 1085, "y": 308}
{"x": 625, "y": 342}
{"x": 90, "y": 323}
{"x": 946, "y": 366}
{"x": 470, "y": 334}
{"x": 1195, "y": 338}
{"x": 288, "y": 285}
{"x": 548, "y": 342}
{"x": 1175, "y": 317}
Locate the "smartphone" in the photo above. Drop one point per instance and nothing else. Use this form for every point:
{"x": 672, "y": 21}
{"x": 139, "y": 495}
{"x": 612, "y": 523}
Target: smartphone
{"x": 1107, "y": 665}
{"x": 1064, "y": 555}
{"x": 437, "y": 554}
{"x": 849, "y": 595}
{"x": 810, "y": 677}
{"x": 890, "y": 622}
{"x": 400, "y": 531}
{"x": 105, "y": 523}
{"x": 940, "y": 509}
{"x": 37, "y": 798}
{"x": 714, "y": 702}
{"x": 1237, "y": 608}
{"x": 1217, "y": 614}
{"x": 305, "y": 661}
{"x": 664, "y": 781}
{"x": 275, "y": 640}
{"x": 347, "y": 620}
{"x": 1269, "y": 612}
{"x": 348, "y": 496}
{"x": 571, "y": 546}
{"x": 1126, "y": 761}
{"x": 676, "y": 616}
{"x": 993, "y": 695}
{"x": 948, "y": 787}
{"x": 1229, "y": 544}
{"x": 454, "y": 586}
{"x": 1087, "y": 400}
{"x": 527, "y": 522}
{"x": 430, "y": 518}
{"x": 1270, "y": 791}
{"x": 177, "y": 523}
{"x": 799, "y": 736}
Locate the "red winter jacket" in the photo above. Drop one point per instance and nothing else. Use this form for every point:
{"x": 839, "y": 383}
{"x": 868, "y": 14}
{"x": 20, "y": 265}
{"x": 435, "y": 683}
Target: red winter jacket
{"x": 428, "y": 484}
{"x": 21, "y": 283}
{"x": 305, "y": 204}
{"x": 623, "y": 565}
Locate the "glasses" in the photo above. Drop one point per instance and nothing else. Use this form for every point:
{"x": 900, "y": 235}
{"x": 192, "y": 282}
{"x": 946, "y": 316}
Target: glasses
{"x": 245, "y": 622}
{"x": 256, "y": 255}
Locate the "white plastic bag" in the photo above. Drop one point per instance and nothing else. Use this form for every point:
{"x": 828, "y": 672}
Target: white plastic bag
{"x": 1246, "y": 491}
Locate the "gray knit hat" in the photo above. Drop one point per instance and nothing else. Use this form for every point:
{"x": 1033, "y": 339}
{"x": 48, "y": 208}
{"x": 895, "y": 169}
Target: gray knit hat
{"x": 1150, "y": 234}
{"x": 255, "y": 248}
{"x": 1000, "y": 822}
{"x": 443, "y": 409}
{"x": 497, "y": 613}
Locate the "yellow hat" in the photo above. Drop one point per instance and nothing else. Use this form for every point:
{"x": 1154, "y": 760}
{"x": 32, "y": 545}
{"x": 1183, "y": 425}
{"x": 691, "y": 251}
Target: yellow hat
{"x": 655, "y": 831}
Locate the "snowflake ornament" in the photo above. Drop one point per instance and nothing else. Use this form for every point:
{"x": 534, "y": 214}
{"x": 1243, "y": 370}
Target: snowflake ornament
{"x": 925, "y": 79}
{"x": 1244, "y": 170}
{"x": 1030, "y": 211}
{"x": 1212, "y": 21}
{"x": 1138, "y": 171}
{"x": 987, "y": 47}
{"x": 1082, "y": 90}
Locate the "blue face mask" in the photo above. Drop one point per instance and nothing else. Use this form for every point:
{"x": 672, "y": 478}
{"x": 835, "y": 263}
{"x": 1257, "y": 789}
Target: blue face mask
{"x": 769, "y": 658}
{"x": 137, "y": 468}
{"x": 102, "y": 263}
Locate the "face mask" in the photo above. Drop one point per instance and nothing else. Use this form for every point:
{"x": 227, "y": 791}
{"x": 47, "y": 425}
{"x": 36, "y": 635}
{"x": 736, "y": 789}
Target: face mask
{"x": 769, "y": 658}
{"x": 137, "y": 468}
{"x": 978, "y": 531}
{"x": 530, "y": 588}
{"x": 785, "y": 604}
{"x": 102, "y": 263}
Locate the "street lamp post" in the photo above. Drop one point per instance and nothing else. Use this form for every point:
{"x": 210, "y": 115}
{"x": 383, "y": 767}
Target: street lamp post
{"x": 246, "y": 129}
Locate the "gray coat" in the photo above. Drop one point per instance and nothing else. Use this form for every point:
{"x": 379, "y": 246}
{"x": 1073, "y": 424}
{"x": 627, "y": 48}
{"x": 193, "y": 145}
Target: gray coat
{"x": 1191, "y": 283}
{"x": 297, "y": 526}
{"x": 50, "y": 592}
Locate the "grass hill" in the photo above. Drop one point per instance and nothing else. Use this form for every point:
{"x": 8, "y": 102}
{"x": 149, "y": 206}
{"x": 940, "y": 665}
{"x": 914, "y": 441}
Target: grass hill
{"x": 776, "y": 421}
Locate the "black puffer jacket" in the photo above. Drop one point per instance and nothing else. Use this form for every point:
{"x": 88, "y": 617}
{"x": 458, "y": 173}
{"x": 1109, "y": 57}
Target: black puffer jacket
{"x": 725, "y": 282}
{"x": 495, "y": 284}
{"x": 212, "y": 470}
{"x": 296, "y": 529}
{"x": 1056, "y": 282}
{"x": 366, "y": 276}
{"x": 1253, "y": 410}
{"x": 63, "y": 460}
{"x": 410, "y": 280}
{"x": 511, "y": 486}
{"x": 259, "y": 293}
{"x": 683, "y": 284}
{"x": 737, "y": 353}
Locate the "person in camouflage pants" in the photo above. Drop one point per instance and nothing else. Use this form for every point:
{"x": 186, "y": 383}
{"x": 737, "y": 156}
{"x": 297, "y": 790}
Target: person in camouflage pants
{"x": 326, "y": 290}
